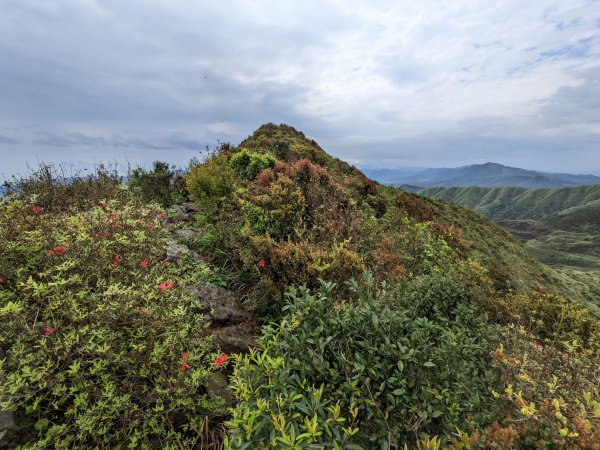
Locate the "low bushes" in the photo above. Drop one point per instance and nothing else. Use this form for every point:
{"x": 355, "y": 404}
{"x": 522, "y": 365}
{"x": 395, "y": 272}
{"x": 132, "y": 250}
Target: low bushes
{"x": 371, "y": 371}
{"x": 101, "y": 344}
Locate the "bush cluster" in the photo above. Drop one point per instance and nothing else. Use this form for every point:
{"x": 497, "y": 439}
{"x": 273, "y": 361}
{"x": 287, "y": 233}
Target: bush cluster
{"x": 161, "y": 184}
{"x": 376, "y": 370}
{"x": 102, "y": 345}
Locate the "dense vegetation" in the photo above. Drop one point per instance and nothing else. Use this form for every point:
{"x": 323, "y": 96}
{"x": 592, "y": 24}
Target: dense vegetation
{"x": 511, "y": 203}
{"x": 560, "y": 227}
{"x": 388, "y": 320}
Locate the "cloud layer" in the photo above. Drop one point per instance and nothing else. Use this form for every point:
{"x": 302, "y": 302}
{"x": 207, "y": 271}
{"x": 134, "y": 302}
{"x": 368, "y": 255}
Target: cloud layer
{"x": 376, "y": 83}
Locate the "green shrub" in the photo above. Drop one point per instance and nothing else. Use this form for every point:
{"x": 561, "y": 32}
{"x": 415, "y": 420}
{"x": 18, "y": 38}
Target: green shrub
{"x": 212, "y": 182}
{"x": 249, "y": 164}
{"x": 161, "y": 184}
{"x": 550, "y": 396}
{"x": 95, "y": 337}
{"x": 388, "y": 369}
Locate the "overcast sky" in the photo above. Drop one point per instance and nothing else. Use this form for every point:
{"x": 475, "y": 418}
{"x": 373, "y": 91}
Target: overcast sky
{"x": 398, "y": 83}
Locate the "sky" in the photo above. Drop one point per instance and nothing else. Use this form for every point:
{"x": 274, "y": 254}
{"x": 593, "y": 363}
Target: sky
{"x": 376, "y": 83}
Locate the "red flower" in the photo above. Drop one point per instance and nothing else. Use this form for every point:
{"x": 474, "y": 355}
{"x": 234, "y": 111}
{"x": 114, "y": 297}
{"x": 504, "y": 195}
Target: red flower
{"x": 165, "y": 285}
{"x": 165, "y": 263}
{"x": 48, "y": 331}
{"x": 104, "y": 204}
{"x": 115, "y": 265}
{"x": 36, "y": 209}
{"x": 186, "y": 356}
{"x": 151, "y": 225}
{"x": 116, "y": 259}
{"x": 144, "y": 263}
{"x": 221, "y": 360}
{"x": 185, "y": 366}
{"x": 262, "y": 263}
{"x": 51, "y": 252}
{"x": 115, "y": 216}
{"x": 60, "y": 249}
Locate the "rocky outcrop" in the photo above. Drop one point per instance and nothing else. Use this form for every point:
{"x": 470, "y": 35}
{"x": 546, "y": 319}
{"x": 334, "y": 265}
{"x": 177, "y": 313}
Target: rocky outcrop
{"x": 219, "y": 305}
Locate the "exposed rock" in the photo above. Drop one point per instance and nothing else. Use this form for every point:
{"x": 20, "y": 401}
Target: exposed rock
{"x": 7, "y": 428}
{"x": 186, "y": 234}
{"x": 177, "y": 251}
{"x": 220, "y": 305}
{"x": 217, "y": 386}
{"x": 233, "y": 339}
{"x": 190, "y": 208}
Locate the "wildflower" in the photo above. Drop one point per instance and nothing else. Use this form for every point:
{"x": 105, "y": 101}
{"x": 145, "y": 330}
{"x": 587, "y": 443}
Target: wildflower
{"x": 185, "y": 366}
{"x": 51, "y": 252}
{"x": 60, "y": 249}
{"x": 186, "y": 356}
{"x": 115, "y": 225}
{"x": 104, "y": 204}
{"x": 144, "y": 263}
{"x": 165, "y": 285}
{"x": 36, "y": 209}
{"x": 116, "y": 259}
{"x": 221, "y": 360}
{"x": 115, "y": 216}
{"x": 152, "y": 225}
{"x": 48, "y": 331}
{"x": 262, "y": 263}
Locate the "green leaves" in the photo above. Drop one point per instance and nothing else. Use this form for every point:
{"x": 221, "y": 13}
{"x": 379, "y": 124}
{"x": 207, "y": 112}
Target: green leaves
{"x": 383, "y": 360}
{"x": 91, "y": 347}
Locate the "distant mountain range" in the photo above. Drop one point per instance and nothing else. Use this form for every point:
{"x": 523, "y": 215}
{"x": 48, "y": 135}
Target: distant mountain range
{"x": 484, "y": 175}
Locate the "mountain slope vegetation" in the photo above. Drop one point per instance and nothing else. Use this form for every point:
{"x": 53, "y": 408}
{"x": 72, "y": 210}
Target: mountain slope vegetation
{"x": 510, "y": 203}
{"x": 388, "y": 320}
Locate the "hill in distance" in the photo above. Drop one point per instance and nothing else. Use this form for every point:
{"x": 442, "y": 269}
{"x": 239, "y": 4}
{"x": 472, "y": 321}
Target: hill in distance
{"x": 484, "y": 175}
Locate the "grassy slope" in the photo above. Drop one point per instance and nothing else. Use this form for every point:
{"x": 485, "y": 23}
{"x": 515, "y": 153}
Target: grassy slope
{"x": 517, "y": 203}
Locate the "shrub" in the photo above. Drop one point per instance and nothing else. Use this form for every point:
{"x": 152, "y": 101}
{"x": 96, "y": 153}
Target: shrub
{"x": 371, "y": 371}
{"x": 549, "y": 317}
{"x": 249, "y": 164}
{"x": 549, "y": 394}
{"x": 161, "y": 184}
{"x": 58, "y": 188}
{"x": 212, "y": 183}
{"x": 100, "y": 348}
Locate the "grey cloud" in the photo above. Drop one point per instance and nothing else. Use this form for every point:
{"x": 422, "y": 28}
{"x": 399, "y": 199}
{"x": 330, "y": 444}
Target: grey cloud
{"x": 578, "y": 104}
{"x": 7, "y": 140}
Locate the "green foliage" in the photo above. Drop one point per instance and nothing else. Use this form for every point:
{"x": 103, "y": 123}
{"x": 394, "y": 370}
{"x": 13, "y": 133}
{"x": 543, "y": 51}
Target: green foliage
{"x": 94, "y": 326}
{"x": 391, "y": 367}
{"x": 58, "y": 188}
{"x": 161, "y": 184}
{"x": 212, "y": 182}
{"x": 549, "y": 317}
{"x": 515, "y": 202}
{"x": 549, "y": 393}
{"x": 249, "y": 164}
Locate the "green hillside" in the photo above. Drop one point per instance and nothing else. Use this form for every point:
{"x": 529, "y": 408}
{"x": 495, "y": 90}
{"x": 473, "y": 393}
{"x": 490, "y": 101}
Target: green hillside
{"x": 510, "y": 203}
{"x": 275, "y": 297}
